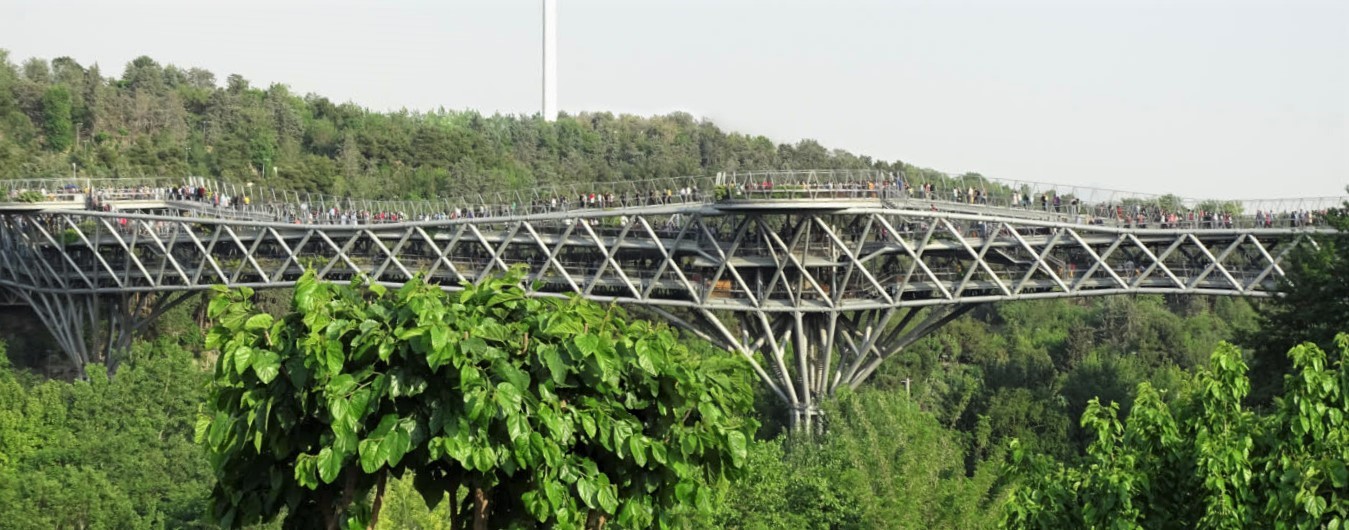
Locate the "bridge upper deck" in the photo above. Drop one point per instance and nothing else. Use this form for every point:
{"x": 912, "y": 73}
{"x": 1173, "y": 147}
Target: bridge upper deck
{"x": 780, "y": 191}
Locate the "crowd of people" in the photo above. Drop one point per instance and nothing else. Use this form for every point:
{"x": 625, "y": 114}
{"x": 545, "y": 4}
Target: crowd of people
{"x": 311, "y": 209}
{"x": 1132, "y": 213}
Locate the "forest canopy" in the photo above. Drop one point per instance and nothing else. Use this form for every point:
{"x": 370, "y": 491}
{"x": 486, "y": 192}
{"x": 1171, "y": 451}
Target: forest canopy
{"x": 164, "y": 120}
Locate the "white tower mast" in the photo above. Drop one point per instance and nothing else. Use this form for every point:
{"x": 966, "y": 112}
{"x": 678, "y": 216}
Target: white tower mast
{"x": 549, "y": 60}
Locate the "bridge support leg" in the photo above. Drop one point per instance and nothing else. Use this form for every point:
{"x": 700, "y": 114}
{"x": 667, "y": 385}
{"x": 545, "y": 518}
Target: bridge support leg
{"x": 129, "y": 315}
{"x": 810, "y": 356}
{"x": 73, "y": 320}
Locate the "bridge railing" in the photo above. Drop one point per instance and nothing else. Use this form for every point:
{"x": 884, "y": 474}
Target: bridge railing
{"x": 78, "y": 190}
{"x": 976, "y": 189}
{"x": 324, "y": 208}
{"x": 1050, "y": 201}
{"x": 978, "y": 193}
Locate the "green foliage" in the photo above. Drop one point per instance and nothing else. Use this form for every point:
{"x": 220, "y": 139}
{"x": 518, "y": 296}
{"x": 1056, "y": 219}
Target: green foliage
{"x": 544, "y": 410}
{"x": 1314, "y": 306}
{"x": 1027, "y": 370}
{"x": 103, "y": 453}
{"x": 404, "y": 508}
{"x": 30, "y": 196}
{"x": 883, "y": 463}
{"x": 69, "y": 236}
{"x": 1304, "y": 478}
{"x": 1203, "y": 461}
{"x": 161, "y": 120}
{"x": 56, "y": 118}
{"x": 1227, "y": 207}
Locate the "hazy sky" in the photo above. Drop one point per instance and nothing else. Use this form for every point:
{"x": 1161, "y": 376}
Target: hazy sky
{"x": 1204, "y": 99}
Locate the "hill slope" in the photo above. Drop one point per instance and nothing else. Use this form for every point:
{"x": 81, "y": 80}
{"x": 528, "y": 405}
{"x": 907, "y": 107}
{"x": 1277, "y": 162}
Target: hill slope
{"x": 164, "y": 120}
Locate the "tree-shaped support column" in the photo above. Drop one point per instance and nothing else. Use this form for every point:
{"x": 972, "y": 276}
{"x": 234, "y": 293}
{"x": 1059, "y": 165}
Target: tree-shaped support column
{"x": 75, "y": 321}
{"x": 806, "y": 357}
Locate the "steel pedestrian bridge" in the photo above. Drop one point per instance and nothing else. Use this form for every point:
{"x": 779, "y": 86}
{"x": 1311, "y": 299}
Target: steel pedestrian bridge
{"x": 815, "y": 277}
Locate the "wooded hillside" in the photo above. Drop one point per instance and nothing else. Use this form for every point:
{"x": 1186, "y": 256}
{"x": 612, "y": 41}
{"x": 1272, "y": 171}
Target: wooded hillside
{"x": 165, "y": 120}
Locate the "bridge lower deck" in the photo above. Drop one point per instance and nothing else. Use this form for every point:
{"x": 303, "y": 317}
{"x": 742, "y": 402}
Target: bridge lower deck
{"x": 821, "y": 259}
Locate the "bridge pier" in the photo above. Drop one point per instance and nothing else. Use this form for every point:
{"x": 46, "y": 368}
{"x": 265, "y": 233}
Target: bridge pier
{"x": 70, "y": 318}
{"x": 807, "y": 357}
{"x": 74, "y": 320}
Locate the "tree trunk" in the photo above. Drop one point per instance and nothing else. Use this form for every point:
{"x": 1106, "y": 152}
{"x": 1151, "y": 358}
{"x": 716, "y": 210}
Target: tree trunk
{"x": 325, "y": 502}
{"x": 460, "y": 507}
{"x": 379, "y": 498}
{"x": 596, "y": 520}
{"x": 455, "y": 521}
{"x": 480, "y": 502}
{"x": 334, "y": 512}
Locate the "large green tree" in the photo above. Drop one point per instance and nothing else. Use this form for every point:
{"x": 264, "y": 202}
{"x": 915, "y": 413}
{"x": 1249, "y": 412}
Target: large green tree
{"x": 541, "y": 411}
{"x": 1203, "y": 460}
{"x": 56, "y": 118}
{"x": 1314, "y": 305}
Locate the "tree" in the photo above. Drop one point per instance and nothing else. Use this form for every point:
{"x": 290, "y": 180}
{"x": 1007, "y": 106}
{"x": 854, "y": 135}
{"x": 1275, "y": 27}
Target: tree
{"x": 1202, "y": 460}
{"x": 1313, "y": 307}
{"x": 56, "y": 118}
{"x": 1304, "y": 472}
{"x": 549, "y": 411}
{"x": 201, "y": 79}
{"x": 143, "y": 73}
{"x": 37, "y": 70}
{"x": 884, "y": 463}
{"x": 104, "y": 453}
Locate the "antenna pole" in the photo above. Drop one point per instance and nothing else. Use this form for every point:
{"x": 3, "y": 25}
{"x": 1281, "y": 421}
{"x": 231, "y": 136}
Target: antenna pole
{"x": 549, "y": 60}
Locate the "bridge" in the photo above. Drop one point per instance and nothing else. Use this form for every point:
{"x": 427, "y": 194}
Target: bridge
{"x": 814, "y": 277}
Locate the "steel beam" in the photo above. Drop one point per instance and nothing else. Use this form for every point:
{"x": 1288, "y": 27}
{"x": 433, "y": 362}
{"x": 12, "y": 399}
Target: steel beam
{"x": 809, "y": 304}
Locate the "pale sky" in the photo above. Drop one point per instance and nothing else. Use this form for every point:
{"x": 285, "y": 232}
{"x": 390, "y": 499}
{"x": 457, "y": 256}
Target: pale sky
{"x": 1223, "y": 99}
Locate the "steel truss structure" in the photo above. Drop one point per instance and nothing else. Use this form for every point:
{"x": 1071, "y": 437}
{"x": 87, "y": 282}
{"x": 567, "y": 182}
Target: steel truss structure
{"x": 814, "y": 294}
{"x": 10, "y": 297}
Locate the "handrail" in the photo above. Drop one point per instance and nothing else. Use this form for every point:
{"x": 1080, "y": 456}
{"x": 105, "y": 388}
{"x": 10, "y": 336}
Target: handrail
{"x": 1082, "y": 204}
